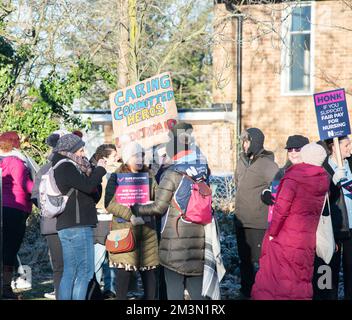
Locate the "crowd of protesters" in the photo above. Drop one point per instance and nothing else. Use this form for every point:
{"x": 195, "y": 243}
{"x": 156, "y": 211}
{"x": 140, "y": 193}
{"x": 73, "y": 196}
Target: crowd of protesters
{"x": 277, "y": 253}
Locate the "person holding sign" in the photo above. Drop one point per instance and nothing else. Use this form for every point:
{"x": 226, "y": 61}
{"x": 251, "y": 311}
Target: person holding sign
{"x": 340, "y": 197}
{"x": 125, "y": 187}
{"x": 182, "y": 243}
{"x": 286, "y": 263}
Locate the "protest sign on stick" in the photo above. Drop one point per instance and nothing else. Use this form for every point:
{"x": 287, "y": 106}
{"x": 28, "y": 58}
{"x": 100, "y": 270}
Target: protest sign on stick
{"x": 332, "y": 117}
{"x": 144, "y": 112}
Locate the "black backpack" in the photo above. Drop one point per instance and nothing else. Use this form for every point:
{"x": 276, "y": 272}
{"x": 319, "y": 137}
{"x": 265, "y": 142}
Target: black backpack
{"x": 94, "y": 291}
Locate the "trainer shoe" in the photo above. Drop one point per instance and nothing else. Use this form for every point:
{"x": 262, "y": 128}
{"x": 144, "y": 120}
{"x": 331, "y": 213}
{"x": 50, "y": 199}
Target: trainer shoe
{"x": 50, "y": 295}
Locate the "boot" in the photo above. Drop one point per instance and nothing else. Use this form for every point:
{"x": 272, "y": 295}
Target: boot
{"x": 7, "y": 292}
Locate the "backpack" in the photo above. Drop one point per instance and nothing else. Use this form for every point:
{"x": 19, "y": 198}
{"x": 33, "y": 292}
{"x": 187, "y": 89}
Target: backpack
{"x": 52, "y": 201}
{"x": 193, "y": 200}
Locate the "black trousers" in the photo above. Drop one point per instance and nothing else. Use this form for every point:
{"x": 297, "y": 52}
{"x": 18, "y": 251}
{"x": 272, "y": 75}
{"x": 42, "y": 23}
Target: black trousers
{"x": 177, "y": 283}
{"x": 161, "y": 284}
{"x": 56, "y": 259}
{"x": 14, "y": 227}
{"x": 249, "y": 245}
{"x": 148, "y": 280}
{"x": 344, "y": 253}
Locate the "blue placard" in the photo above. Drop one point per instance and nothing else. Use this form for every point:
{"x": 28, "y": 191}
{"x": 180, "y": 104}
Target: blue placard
{"x": 332, "y": 114}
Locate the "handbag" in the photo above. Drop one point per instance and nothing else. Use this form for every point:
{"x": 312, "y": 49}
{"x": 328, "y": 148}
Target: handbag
{"x": 325, "y": 242}
{"x": 120, "y": 241}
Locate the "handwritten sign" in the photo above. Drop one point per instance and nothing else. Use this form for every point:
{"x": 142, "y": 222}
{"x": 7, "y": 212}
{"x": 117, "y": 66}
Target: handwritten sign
{"x": 332, "y": 114}
{"x": 132, "y": 188}
{"x": 145, "y": 111}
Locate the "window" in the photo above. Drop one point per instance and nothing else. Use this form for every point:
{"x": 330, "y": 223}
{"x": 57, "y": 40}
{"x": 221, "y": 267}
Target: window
{"x": 297, "y": 50}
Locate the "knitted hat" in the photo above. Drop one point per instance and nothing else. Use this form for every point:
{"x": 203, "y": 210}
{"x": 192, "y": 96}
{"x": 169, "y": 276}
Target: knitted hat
{"x": 129, "y": 150}
{"x": 52, "y": 140}
{"x": 314, "y": 154}
{"x": 12, "y": 137}
{"x": 296, "y": 141}
{"x": 69, "y": 142}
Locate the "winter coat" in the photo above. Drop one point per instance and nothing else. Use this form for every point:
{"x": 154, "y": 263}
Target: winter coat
{"x": 251, "y": 178}
{"x": 145, "y": 255}
{"x": 287, "y": 261}
{"x": 16, "y": 183}
{"x": 80, "y": 208}
{"x": 182, "y": 253}
{"x": 339, "y": 214}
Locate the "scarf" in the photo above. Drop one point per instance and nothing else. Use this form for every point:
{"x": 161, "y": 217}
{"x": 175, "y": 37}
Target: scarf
{"x": 83, "y": 163}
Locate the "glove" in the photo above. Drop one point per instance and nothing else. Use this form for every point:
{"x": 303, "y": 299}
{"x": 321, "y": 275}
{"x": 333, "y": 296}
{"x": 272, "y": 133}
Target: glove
{"x": 339, "y": 175}
{"x": 136, "y": 220}
{"x": 267, "y": 198}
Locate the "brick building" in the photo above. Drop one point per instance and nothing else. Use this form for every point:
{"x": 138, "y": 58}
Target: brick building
{"x": 290, "y": 51}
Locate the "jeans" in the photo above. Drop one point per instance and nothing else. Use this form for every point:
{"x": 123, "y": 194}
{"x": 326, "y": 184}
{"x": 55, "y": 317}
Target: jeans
{"x": 102, "y": 268}
{"x": 78, "y": 254}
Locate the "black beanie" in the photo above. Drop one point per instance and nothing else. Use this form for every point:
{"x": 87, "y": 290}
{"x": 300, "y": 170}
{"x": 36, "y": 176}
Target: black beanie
{"x": 257, "y": 141}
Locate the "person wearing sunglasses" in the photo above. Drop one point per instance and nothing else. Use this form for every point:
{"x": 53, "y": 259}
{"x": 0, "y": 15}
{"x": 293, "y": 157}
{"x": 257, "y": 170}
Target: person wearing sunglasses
{"x": 294, "y": 144}
{"x": 288, "y": 249}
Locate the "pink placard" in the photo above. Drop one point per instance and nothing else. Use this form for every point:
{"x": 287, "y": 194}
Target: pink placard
{"x": 132, "y": 188}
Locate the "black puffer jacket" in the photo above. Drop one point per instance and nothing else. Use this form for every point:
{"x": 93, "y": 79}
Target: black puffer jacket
{"x": 183, "y": 254}
{"x": 80, "y": 208}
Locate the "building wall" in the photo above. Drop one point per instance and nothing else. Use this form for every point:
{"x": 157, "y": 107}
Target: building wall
{"x": 216, "y": 141}
{"x": 264, "y": 107}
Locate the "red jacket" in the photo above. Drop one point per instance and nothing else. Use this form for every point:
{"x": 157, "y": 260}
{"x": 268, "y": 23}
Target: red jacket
{"x": 286, "y": 263}
{"x": 16, "y": 184}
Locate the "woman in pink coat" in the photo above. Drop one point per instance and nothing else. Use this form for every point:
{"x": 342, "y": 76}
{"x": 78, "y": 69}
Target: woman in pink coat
{"x": 16, "y": 201}
{"x": 286, "y": 263}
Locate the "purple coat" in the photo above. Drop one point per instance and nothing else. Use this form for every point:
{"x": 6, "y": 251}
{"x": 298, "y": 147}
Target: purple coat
{"x": 287, "y": 262}
{"x": 16, "y": 183}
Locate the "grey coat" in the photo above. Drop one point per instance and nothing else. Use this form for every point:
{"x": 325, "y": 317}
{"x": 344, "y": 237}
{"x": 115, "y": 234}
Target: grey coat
{"x": 251, "y": 178}
{"x": 183, "y": 254}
